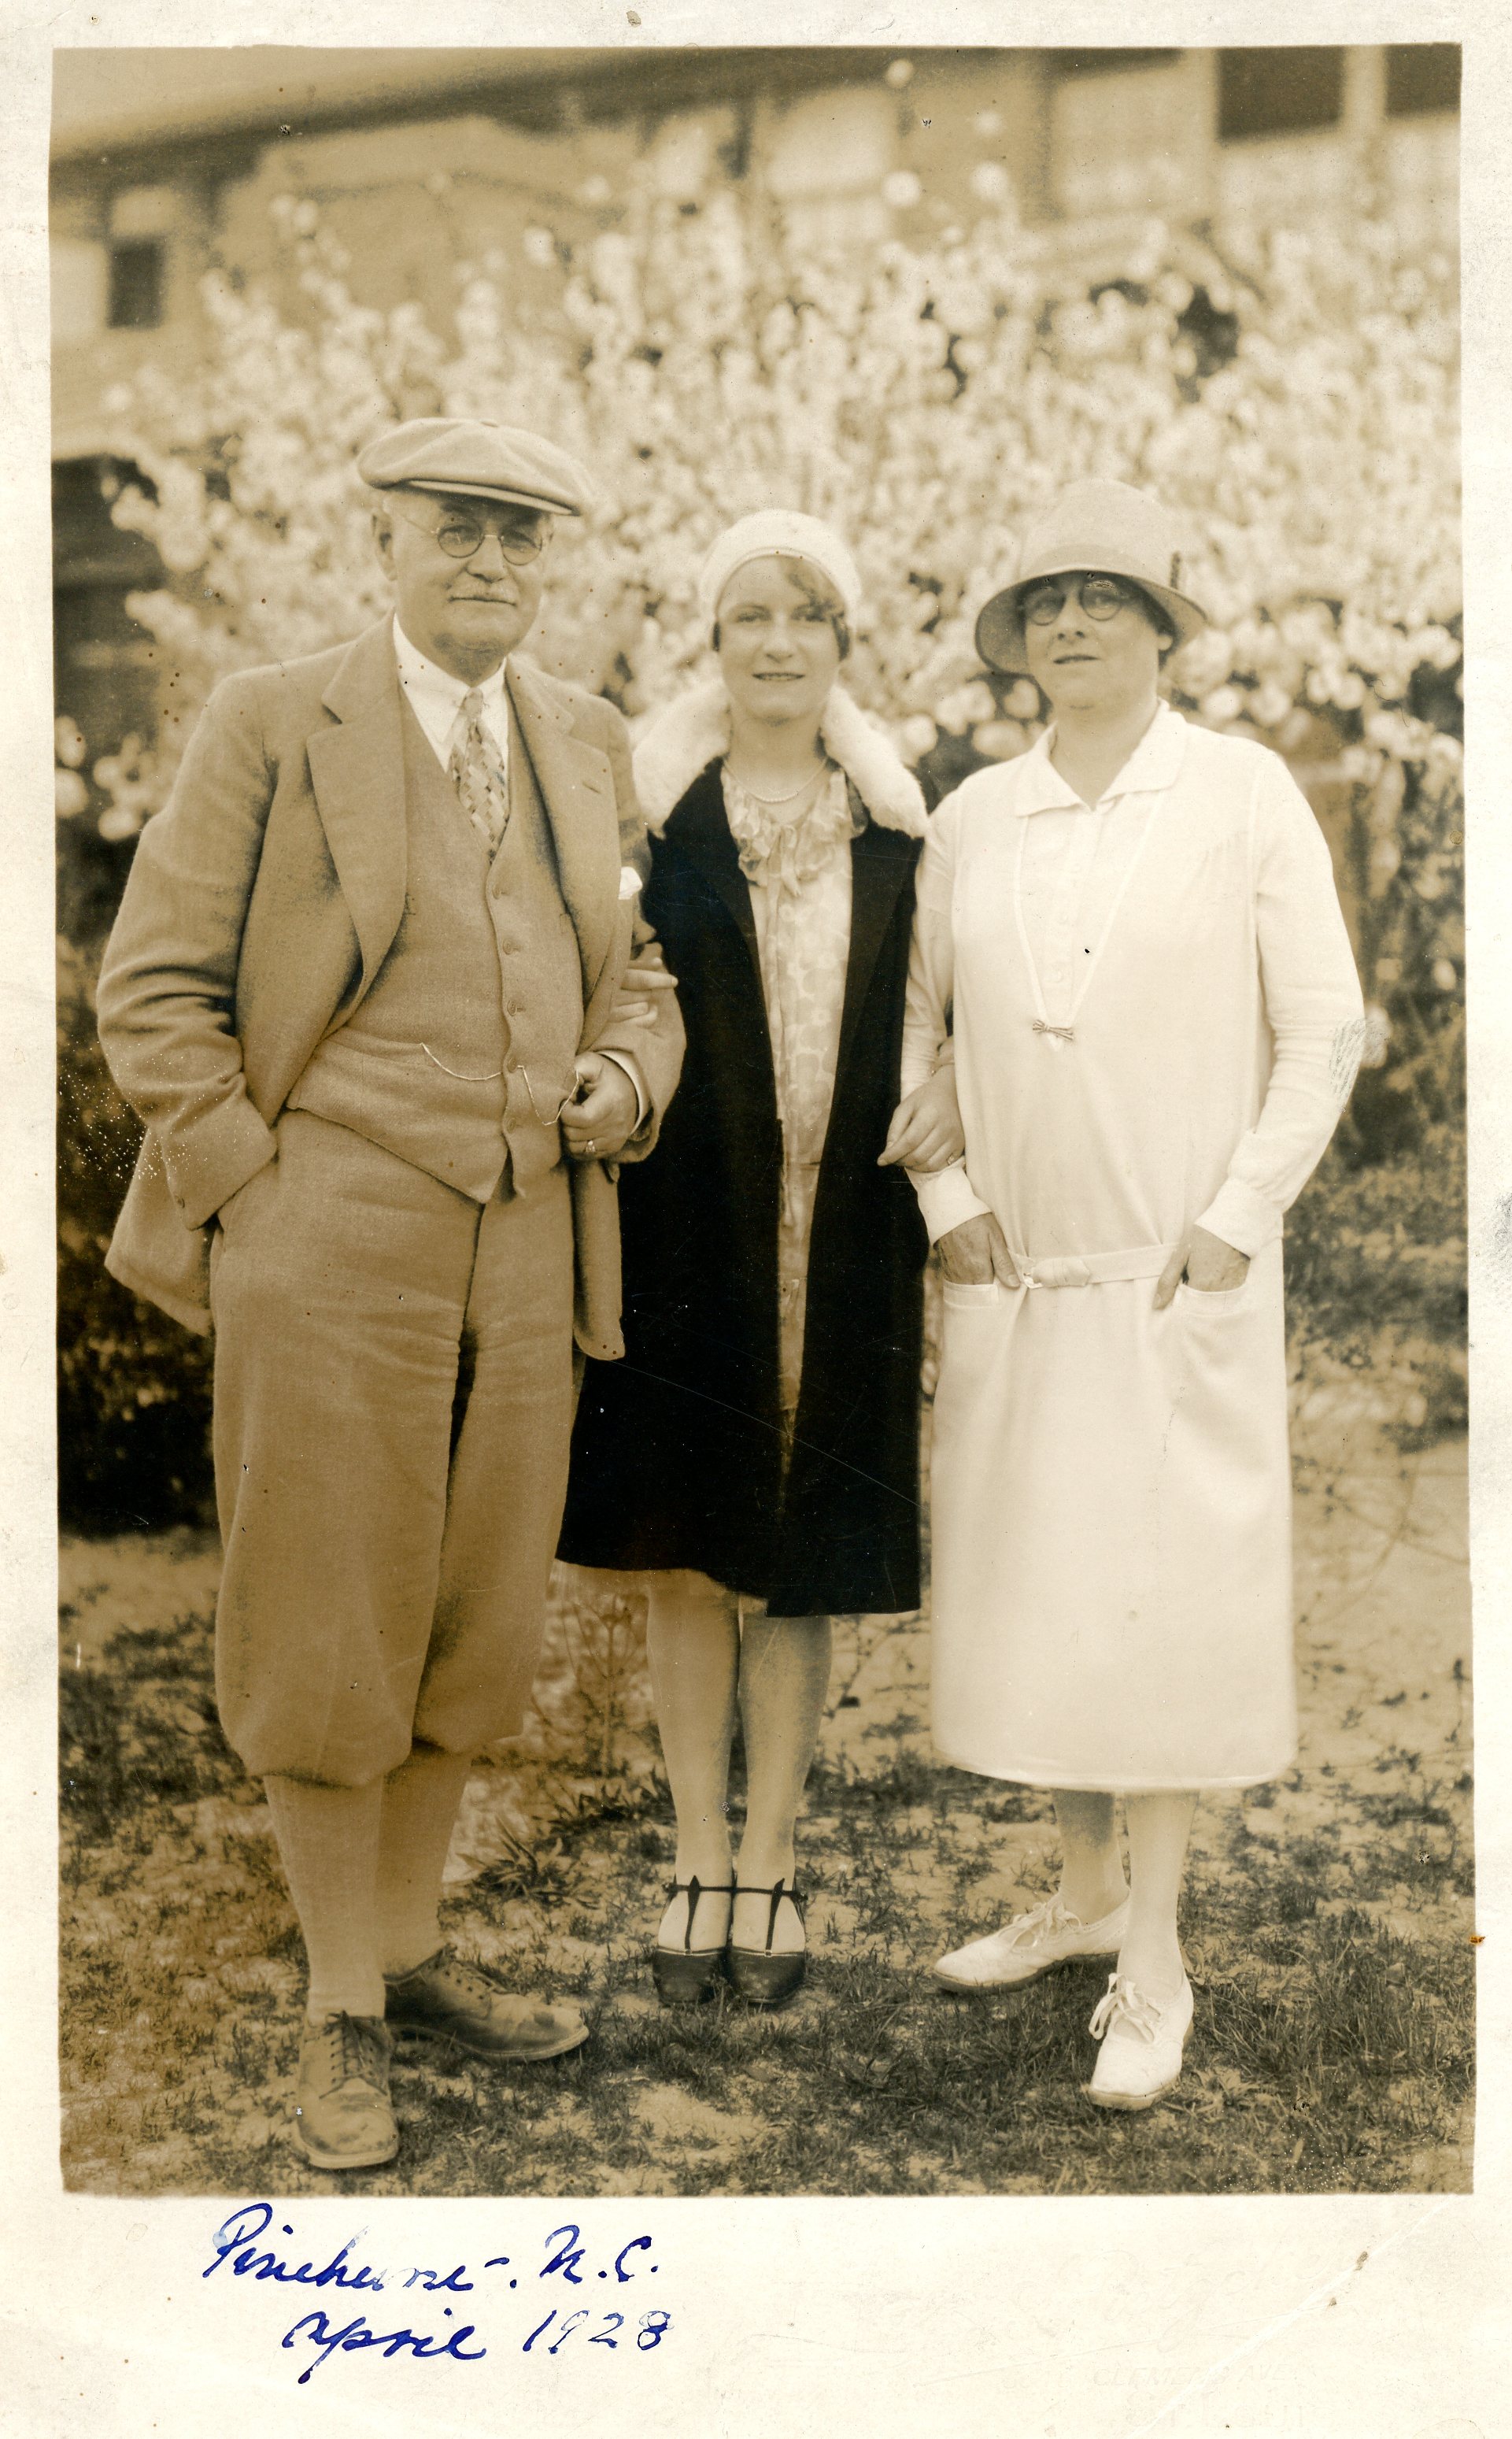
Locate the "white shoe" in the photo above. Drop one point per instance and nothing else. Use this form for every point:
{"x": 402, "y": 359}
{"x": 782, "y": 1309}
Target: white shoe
{"x": 1030, "y": 1944}
{"x": 1140, "y": 2053}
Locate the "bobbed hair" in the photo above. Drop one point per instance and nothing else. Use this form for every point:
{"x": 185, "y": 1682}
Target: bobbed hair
{"x": 817, "y": 591}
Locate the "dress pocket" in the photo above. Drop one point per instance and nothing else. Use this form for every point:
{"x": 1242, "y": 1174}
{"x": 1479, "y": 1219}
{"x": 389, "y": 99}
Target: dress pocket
{"x": 1213, "y": 1300}
{"x": 971, "y": 1295}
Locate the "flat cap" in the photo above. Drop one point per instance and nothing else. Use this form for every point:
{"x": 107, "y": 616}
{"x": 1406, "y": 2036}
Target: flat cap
{"x": 485, "y": 461}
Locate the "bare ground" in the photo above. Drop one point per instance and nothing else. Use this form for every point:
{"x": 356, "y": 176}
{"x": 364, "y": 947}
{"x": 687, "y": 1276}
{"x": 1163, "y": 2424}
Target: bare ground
{"x": 1328, "y": 1922}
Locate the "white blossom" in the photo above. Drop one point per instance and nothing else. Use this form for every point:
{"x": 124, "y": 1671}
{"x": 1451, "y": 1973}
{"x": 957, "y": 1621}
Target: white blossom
{"x": 930, "y": 395}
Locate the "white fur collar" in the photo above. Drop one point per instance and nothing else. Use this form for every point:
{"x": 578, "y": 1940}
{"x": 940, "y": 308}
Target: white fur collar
{"x": 686, "y": 737}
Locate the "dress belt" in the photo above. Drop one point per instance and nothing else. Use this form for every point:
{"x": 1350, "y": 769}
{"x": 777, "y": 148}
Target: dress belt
{"x": 1093, "y": 1270}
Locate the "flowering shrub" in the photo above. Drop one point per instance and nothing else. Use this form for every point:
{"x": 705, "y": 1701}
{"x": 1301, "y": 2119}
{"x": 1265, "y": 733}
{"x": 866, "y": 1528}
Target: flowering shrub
{"x": 1290, "y": 394}
{"x": 1296, "y": 403}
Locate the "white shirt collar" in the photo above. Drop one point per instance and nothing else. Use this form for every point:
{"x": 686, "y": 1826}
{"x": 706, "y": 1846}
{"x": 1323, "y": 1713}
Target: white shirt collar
{"x": 1155, "y": 763}
{"x": 436, "y": 697}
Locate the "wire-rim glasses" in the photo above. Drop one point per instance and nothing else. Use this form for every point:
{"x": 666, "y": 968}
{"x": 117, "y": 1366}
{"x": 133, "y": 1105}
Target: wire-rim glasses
{"x": 460, "y": 536}
{"x": 1101, "y": 598}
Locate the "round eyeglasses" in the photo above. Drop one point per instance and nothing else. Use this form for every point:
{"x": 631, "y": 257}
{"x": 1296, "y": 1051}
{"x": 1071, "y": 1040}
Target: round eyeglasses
{"x": 460, "y": 536}
{"x": 1101, "y": 596}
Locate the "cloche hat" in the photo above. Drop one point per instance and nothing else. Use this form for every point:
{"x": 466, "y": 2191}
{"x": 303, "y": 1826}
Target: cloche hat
{"x": 480, "y": 459}
{"x": 779, "y": 533}
{"x": 1098, "y": 528}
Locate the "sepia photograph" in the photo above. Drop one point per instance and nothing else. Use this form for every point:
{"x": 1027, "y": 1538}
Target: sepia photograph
{"x": 762, "y": 1344}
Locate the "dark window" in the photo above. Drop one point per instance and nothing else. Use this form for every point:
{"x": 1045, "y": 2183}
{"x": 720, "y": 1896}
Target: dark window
{"x": 1098, "y": 63}
{"x": 1421, "y": 76}
{"x": 136, "y": 284}
{"x": 1279, "y": 91}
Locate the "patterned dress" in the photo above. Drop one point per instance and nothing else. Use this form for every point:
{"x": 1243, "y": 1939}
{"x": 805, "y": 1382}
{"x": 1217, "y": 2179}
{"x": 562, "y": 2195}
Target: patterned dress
{"x": 800, "y": 875}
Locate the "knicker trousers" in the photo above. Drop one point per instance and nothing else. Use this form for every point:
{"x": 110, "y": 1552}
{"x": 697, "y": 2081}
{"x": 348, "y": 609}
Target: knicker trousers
{"x": 393, "y": 1408}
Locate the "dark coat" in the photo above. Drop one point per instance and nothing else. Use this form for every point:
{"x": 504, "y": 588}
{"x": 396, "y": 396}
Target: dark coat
{"x": 677, "y": 1455}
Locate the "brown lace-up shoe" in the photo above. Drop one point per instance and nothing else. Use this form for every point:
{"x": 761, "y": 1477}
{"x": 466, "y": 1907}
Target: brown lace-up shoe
{"x": 455, "y": 2001}
{"x": 343, "y": 2118}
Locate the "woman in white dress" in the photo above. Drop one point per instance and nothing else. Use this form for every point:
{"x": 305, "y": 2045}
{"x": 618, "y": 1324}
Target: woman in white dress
{"x": 1133, "y": 932}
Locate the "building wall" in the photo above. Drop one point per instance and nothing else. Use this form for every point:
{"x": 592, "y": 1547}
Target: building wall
{"x": 851, "y": 147}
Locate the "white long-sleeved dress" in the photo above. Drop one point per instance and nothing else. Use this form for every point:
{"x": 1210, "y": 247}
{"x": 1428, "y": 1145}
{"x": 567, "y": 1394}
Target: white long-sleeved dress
{"x": 1156, "y": 1022}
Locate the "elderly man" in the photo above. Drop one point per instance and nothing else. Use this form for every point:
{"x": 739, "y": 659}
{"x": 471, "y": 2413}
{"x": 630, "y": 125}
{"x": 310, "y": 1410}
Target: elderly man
{"x": 377, "y": 968}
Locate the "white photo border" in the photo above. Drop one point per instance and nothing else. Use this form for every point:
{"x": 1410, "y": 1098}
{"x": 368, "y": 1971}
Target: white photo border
{"x": 1380, "y": 2316}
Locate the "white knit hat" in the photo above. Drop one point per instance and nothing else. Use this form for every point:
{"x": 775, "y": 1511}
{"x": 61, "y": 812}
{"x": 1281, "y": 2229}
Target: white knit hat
{"x": 779, "y": 533}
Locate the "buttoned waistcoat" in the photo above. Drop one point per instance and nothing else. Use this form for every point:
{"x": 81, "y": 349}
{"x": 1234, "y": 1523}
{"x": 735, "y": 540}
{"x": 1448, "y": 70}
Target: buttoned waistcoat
{"x": 460, "y": 1056}
{"x": 262, "y": 904}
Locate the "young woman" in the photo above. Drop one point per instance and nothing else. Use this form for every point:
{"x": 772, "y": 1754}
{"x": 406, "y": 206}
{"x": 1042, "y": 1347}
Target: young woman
{"x": 1157, "y": 1022}
{"x": 756, "y": 1451}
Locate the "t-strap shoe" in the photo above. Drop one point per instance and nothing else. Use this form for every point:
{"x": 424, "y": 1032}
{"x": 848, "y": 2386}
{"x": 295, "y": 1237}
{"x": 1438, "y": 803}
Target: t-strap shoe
{"x": 1032, "y": 1944}
{"x": 343, "y": 2114}
{"x": 1142, "y": 2040}
{"x": 765, "y": 1980}
{"x": 690, "y": 1973}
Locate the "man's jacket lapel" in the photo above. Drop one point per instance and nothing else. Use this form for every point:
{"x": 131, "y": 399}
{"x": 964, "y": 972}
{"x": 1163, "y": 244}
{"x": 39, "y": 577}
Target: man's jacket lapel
{"x": 357, "y": 770}
{"x": 577, "y": 788}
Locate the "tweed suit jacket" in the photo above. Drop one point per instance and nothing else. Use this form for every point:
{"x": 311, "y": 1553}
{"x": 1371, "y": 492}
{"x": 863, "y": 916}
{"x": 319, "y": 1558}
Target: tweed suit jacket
{"x": 262, "y": 901}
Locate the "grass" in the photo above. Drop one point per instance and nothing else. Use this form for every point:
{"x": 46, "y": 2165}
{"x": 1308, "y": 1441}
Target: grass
{"x": 1331, "y": 1964}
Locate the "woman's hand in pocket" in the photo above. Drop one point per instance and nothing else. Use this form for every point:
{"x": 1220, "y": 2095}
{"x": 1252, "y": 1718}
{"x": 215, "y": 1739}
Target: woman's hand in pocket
{"x": 977, "y": 1253}
{"x": 1206, "y": 1263}
{"x": 926, "y": 1132}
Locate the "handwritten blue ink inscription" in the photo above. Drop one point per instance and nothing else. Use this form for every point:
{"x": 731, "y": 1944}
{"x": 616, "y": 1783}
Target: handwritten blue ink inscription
{"x": 316, "y": 2326}
{"x": 239, "y": 2248}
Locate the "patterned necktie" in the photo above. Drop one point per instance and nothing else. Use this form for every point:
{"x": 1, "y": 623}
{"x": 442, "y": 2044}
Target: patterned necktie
{"x": 478, "y": 773}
